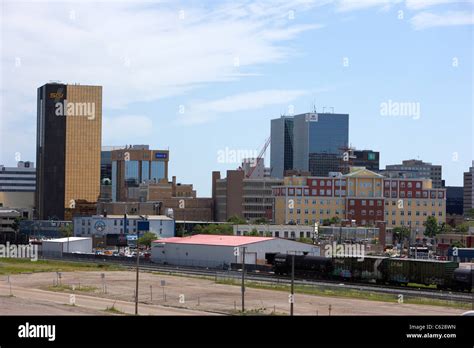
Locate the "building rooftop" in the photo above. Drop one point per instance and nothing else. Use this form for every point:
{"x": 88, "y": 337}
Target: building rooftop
{"x": 129, "y": 216}
{"x": 212, "y": 239}
{"x": 65, "y": 240}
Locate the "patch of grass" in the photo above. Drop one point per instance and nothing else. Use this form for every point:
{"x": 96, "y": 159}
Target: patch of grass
{"x": 113, "y": 310}
{"x": 69, "y": 288}
{"x": 348, "y": 293}
{"x": 18, "y": 266}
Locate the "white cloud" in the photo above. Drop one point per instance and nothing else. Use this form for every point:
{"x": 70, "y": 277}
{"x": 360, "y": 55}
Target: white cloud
{"x": 355, "y": 5}
{"x": 425, "y": 20}
{"x": 199, "y": 112}
{"x": 423, "y": 4}
{"x": 138, "y": 51}
{"x": 122, "y": 129}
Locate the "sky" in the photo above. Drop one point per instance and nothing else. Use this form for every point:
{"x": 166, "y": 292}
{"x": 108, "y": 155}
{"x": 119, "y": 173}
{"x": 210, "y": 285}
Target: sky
{"x": 204, "y": 78}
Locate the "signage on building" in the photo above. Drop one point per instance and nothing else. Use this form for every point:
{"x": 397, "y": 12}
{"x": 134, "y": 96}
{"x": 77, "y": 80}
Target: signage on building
{"x": 161, "y": 155}
{"x": 57, "y": 95}
{"x": 371, "y": 156}
{"x": 311, "y": 117}
{"x": 143, "y": 226}
{"x": 99, "y": 226}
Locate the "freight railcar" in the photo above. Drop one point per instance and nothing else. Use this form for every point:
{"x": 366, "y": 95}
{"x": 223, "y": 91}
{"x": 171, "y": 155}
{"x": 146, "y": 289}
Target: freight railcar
{"x": 367, "y": 269}
{"x": 427, "y": 272}
{"x": 314, "y": 267}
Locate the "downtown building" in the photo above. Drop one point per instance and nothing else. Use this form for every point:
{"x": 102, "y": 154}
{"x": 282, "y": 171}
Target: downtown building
{"x": 312, "y": 142}
{"x": 362, "y": 197}
{"x": 468, "y": 199}
{"x": 68, "y": 149}
{"x": 135, "y": 165}
{"x": 416, "y": 169}
{"x": 17, "y": 188}
{"x": 242, "y": 195}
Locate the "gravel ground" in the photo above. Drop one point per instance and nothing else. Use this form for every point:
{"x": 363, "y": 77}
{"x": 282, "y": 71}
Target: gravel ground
{"x": 179, "y": 296}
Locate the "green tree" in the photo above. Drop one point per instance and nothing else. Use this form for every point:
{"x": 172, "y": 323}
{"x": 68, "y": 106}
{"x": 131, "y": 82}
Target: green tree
{"x": 226, "y": 229}
{"x": 332, "y": 221}
{"x": 470, "y": 213}
{"x": 463, "y": 228}
{"x": 261, "y": 221}
{"x": 445, "y": 228}
{"x": 431, "y": 227}
{"x": 236, "y": 220}
{"x": 66, "y": 231}
{"x": 147, "y": 238}
{"x": 254, "y": 232}
{"x": 305, "y": 240}
{"x": 401, "y": 233}
{"x": 458, "y": 244}
{"x": 197, "y": 229}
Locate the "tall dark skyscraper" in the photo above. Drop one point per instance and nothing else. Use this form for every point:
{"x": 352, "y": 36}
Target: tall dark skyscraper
{"x": 68, "y": 140}
{"x": 281, "y": 148}
{"x": 315, "y": 141}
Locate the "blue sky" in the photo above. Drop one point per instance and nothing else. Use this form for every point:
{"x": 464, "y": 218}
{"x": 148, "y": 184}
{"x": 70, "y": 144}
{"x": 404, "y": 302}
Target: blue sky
{"x": 203, "y": 77}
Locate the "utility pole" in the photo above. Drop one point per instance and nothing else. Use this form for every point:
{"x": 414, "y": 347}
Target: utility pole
{"x": 136, "y": 285}
{"x": 243, "y": 279}
{"x": 292, "y": 283}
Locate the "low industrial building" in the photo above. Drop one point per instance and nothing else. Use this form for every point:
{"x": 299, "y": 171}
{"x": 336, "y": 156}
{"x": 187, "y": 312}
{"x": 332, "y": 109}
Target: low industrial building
{"x": 219, "y": 251}
{"x": 305, "y": 231}
{"x": 56, "y": 247}
{"x": 99, "y": 225}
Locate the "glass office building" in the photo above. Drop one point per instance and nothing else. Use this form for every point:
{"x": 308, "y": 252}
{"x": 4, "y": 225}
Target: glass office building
{"x": 308, "y": 142}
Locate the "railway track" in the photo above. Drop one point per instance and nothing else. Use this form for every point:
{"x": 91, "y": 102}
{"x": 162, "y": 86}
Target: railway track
{"x": 270, "y": 278}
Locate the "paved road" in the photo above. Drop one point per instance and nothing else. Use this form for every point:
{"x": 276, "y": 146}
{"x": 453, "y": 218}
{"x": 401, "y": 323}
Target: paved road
{"x": 91, "y": 302}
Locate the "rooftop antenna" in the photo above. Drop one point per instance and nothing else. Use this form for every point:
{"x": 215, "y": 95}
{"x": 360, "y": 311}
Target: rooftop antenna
{"x": 332, "y": 107}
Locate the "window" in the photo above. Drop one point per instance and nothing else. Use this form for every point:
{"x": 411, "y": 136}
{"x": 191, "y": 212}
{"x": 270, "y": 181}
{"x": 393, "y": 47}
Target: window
{"x": 328, "y": 192}
{"x": 301, "y": 234}
{"x": 293, "y": 234}
{"x": 286, "y": 234}
{"x": 402, "y": 194}
{"x": 314, "y": 183}
{"x": 410, "y": 184}
{"x": 321, "y": 192}
{"x": 371, "y": 203}
{"x": 402, "y": 184}
{"x": 321, "y": 183}
{"x": 364, "y": 212}
{"x": 328, "y": 183}
{"x": 351, "y": 202}
{"x": 277, "y": 234}
{"x": 364, "y": 203}
{"x": 418, "y": 185}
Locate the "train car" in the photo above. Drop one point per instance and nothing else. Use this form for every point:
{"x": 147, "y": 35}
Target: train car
{"x": 462, "y": 279}
{"x": 312, "y": 267}
{"x": 427, "y": 272}
{"x": 367, "y": 269}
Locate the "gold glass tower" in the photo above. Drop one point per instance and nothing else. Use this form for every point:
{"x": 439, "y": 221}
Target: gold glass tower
{"x": 68, "y": 148}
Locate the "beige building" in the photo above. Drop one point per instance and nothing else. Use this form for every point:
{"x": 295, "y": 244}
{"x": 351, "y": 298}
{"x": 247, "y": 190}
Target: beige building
{"x": 362, "y": 196}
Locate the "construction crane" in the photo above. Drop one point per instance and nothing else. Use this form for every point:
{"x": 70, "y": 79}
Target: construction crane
{"x": 260, "y": 156}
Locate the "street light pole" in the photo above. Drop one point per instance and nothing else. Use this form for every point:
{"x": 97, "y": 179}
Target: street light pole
{"x": 292, "y": 283}
{"x": 136, "y": 285}
{"x": 243, "y": 279}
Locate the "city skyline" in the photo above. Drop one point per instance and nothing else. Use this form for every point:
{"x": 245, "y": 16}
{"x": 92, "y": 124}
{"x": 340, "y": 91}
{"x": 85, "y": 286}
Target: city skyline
{"x": 227, "y": 93}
